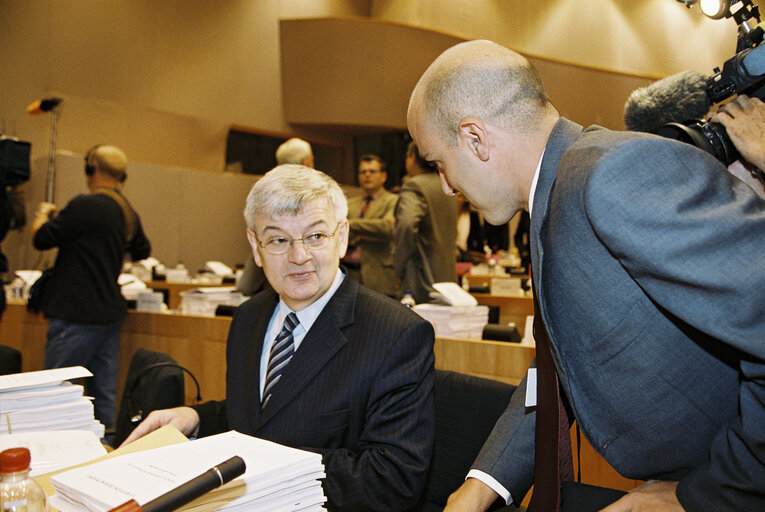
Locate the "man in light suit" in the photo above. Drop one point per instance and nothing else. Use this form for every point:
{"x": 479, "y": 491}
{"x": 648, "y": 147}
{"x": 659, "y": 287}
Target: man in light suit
{"x": 647, "y": 263}
{"x": 370, "y": 255}
{"x": 357, "y": 384}
{"x": 426, "y": 230}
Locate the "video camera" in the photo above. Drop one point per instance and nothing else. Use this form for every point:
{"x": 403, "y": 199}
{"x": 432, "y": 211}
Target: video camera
{"x": 744, "y": 73}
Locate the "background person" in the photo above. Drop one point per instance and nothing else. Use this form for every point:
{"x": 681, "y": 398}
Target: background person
{"x": 371, "y": 217}
{"x": 426, "y": 230}
{"x": 82, "y": 299}
{"x": 358, "y": 387}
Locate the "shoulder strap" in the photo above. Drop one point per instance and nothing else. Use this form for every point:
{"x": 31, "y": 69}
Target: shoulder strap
{"x": 131, "y": 220}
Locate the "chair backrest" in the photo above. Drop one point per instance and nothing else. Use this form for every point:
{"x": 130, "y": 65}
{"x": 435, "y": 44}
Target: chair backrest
{"x": 467, "y": 408}
{"x": 154, "y": 381}
{"x": 10, "y": 360}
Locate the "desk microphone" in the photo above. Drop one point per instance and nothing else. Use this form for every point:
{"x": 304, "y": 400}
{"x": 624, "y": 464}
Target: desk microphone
{"x": 194, "y": 488}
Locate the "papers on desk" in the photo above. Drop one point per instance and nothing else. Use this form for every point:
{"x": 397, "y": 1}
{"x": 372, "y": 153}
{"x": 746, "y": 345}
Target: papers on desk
{"x": 205, "y": 300}
{"x": 455, "y": 321}
{"x": 45, "y": 400}
{"x": 277, "y": 478}
{"x": 54, "y": 450}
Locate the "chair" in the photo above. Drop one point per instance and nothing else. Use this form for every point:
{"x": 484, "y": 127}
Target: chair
{"x": 154, "y": 381}
{"x": 467, "y": 408}
{"x": 10, "y": 360}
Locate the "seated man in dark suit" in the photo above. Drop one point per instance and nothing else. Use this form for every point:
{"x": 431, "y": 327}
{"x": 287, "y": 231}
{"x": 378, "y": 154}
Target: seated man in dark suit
{"x": 350, "y": 375}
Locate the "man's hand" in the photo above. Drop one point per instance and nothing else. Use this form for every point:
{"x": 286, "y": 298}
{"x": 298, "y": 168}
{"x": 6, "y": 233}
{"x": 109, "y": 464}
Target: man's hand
{"x": 649, "y": 497}
{"x": 744, "y": 120}
{"x": 184, "y": 419}
{"x": 472, "y": 496}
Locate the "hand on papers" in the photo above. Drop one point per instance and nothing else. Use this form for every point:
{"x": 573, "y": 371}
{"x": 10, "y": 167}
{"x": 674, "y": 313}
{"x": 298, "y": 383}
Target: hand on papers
{"x": 472, "y": 496}
{"x": 651, "y": 496}
{"x": 184, "y": 419}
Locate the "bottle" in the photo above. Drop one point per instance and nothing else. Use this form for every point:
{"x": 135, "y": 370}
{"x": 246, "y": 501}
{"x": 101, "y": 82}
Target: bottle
{"x": 18, "y": 492}
{"x": 407, "y": 300}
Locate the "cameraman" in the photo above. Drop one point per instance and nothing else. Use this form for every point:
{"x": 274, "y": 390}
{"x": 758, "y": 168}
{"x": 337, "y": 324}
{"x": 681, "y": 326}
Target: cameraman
{"x": 744, "y": 120}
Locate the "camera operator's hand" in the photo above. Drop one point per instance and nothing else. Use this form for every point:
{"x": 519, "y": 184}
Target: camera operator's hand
{"x": 744, "y": 120}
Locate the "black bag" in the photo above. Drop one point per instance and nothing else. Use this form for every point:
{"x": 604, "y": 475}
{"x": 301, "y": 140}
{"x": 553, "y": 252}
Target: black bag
{"x": 37, "y": 291}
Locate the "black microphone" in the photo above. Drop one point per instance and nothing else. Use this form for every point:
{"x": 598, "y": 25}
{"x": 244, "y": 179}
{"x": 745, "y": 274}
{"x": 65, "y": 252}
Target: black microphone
{"x": 191, "y": 490}
{"x": 44, "y": 105}
{"x": 674, "y": 99}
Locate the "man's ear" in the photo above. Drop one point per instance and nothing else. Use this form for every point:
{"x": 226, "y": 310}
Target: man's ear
{"x": 473, "y": 132}
{"x": 254, "y": 244}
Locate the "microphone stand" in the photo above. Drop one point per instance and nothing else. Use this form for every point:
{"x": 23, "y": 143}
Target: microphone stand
{"x": 50, "y": 180}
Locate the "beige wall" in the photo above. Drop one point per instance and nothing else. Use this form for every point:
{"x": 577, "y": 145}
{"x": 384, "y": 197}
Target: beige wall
{"x": 165, "y": 80}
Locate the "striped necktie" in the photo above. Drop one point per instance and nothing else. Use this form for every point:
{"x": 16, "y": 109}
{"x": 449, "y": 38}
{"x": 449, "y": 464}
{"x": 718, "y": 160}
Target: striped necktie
{"x": 281, "y": 353}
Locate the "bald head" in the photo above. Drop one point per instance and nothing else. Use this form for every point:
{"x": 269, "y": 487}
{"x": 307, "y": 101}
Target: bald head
{"x": 108, "y": 161}
{"x": 479, "y": 79}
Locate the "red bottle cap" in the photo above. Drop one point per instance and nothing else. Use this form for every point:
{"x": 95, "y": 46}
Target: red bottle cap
{"x": 14, "y": 459}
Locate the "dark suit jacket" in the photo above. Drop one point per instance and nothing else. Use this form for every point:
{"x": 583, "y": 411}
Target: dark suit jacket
{"x": 648, "y": 260}
{"x": 359, "y": 390}
{"x": 426, "y": 236}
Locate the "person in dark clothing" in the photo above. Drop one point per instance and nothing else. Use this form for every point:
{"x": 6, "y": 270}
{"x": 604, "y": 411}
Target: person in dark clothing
{"x": 83, "y": 300}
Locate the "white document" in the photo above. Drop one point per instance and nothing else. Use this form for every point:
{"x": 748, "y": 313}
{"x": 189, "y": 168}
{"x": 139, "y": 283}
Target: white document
{"x": 219, "y": 269}
{"x": 454, "y": 295}
{"x": 146, "y": 475}
{"x": 42, "y": 377}
{"x": 28, "y": 398}
{"x": 57, "y": 449}
{"x": 531, "y": 388}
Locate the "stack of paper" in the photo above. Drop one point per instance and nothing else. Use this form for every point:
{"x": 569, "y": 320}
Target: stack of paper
{"x": 44, "y": 400}
{"x": 455, "y": 321}
{"x": 203, "y": 301}
{"x": 52, "y": 450}
{"x": 278, "y": 478}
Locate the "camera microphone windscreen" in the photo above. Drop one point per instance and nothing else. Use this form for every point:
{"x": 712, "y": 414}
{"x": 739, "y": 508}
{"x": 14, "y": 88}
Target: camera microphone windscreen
{"x": 674, "y": 99}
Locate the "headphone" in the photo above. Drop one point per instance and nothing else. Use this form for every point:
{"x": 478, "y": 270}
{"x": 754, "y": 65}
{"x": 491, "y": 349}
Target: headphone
{"x": 90, "y": 169}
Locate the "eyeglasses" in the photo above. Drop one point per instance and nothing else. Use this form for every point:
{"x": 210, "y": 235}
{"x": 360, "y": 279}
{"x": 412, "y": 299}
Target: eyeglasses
{"x": 312, "y": 241}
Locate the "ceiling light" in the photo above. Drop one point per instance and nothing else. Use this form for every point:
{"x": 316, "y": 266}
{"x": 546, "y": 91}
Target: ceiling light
{"x": 715, "y": 9}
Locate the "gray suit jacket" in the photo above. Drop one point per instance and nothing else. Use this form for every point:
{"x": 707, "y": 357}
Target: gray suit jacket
{"x": 426, "y": 236}
{"x": 374, "y": 234}
{"x": 359, "y": 390}
{"x": 648, "y": 261}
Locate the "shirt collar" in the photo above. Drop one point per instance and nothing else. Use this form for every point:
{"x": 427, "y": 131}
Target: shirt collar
{"x": 307, "y": 316}
{"x": 534, "y": 182}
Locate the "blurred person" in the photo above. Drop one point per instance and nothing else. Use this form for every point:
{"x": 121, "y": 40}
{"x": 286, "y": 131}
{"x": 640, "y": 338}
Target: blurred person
{"x": 93, "y": 233}
{"x": 646, "y": 265}
{"x": 321, "y": 362}
{"x": 370, "y": 254}
{"x": 426, "y": 230}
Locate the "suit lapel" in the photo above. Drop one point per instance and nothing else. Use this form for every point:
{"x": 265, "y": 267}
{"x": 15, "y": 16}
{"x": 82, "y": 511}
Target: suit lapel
{"x": 563, "y": 135}
{"x": 321, "y": 343}
{"x": 253, "y": 354}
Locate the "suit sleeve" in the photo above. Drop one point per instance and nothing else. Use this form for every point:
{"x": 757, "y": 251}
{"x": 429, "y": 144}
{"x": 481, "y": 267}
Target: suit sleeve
{"x": 693, "y": 237}
{"x": 389, "y": 465}
{"x": 410, "y": 210}
{"x": 379, "y": 227}
{"x": 508, "y": 453}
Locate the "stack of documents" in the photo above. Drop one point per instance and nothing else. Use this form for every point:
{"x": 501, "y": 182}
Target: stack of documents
{"x": 455, "y": 321}
{"x": 203, "y": 301}
{"x": 278, "y": 478}
{"x": 52, "y": 450}
{"x": 45, "y": 400}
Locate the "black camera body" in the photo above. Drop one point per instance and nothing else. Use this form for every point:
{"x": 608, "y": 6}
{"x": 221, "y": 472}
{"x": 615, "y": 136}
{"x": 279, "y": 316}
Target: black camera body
{"x": 744, "y": 73}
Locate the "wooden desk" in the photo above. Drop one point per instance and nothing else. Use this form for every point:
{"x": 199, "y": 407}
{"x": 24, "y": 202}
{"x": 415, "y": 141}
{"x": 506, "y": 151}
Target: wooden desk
{"x": 199, "y": 344}
{"x": 511, "y": 308}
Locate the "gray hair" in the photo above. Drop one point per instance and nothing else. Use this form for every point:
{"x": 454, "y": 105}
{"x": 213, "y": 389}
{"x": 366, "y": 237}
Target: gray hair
{"x": 293, "y": 151}
{"x": 484, "y": 80}
{"x": 285, "y": 190}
